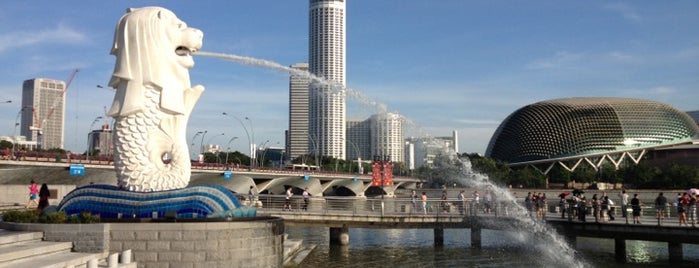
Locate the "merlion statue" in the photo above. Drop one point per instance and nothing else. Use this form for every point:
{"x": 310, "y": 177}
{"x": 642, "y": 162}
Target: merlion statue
{"x": 153, "y": 99}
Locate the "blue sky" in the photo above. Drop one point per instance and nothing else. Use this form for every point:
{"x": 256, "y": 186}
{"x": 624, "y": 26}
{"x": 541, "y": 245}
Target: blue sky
{"x": 445, "y": 65}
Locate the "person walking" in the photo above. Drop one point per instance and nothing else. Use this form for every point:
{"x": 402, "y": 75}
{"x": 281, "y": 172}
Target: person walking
{"x": 33, "y": 193}
{"x": 660, "y": 206}
{"x": 287, "y": 199}
{"x": 305, "y": 195}
{"x": 636, "y": 209}
{"x": 44, "y": 195}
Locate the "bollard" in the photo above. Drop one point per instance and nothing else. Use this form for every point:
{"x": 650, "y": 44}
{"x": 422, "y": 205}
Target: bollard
{"x": 126, "y": 256}
{"x": 92, "y": 263}
{"x": 113, "y": 260}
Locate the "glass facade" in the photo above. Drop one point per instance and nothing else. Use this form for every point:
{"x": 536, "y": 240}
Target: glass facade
{"x": 581, "y": 126}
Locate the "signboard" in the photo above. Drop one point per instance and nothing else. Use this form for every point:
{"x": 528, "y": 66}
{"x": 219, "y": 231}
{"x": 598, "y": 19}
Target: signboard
{"x": 77, "y": 170}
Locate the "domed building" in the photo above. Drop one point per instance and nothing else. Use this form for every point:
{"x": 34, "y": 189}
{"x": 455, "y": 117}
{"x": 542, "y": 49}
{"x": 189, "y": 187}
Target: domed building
{"x": 568, "y": 131}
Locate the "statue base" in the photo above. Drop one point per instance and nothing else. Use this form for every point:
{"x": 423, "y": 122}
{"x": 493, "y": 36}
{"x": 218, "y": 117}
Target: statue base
{"x": 197, "y": 201}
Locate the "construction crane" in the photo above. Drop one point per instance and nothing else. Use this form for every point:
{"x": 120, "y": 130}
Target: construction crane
{"x": 56, "y": 101}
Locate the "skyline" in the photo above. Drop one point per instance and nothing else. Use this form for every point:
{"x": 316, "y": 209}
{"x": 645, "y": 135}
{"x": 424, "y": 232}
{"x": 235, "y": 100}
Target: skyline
{"x": 450, "y": 65}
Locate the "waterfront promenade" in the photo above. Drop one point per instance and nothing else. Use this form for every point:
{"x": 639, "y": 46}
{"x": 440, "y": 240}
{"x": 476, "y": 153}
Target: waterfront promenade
{"x": 341, "y": 214}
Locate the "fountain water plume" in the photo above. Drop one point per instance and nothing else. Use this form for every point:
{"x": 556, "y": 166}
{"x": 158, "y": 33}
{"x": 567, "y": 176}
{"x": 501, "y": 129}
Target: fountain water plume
{"x": 554, "y": 247}
{"x": 334, "y": 86}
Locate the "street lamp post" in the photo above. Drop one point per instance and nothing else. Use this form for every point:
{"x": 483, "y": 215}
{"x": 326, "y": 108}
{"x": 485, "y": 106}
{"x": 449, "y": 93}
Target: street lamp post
{"x": 228, "y": 149}
{"x": 359, "y": 159}
{"x": 89, "y": 137}
{"x": 246, "y": 134}
{"x": 252, "y": 130}
{"x": 201, "y": 143}
{"x": 262, "y": 159}
{"x": 14, "y": 133}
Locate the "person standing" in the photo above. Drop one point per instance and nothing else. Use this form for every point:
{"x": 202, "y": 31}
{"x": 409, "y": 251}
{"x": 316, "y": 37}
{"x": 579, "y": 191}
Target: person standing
{"x": 624, "y": 202}
{"x": 413, "y": 199}
{"x": 444, "y": 204}
{"x": 44, "y": 195}
{"x": 636, "y": 209}
{"x": 33, "y": 193}
{"x": 251, "y": 195}
{"x": 692, "y": 209}
{"x": 595, "y": 207}
{"x": 660, "y": 205}
{"x": 682, "y": 205}
{"x": 528, "y": 203}
{"x": 460, "y": 203}
{"x": 305, "y": 195}
{"x": 287, "y": 199}
{"x": 476, "y": 201}
{"x": 424, "y": 202}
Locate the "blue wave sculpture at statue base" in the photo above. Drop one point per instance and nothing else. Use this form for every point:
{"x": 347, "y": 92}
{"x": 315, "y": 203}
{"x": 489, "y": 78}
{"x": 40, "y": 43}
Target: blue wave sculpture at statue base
{"x": 197, "y": 201}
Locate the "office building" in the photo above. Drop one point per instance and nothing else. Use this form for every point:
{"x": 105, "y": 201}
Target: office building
{"x": 326, "y": 51}
{"x": 43, "y": 113}
{"x": 297, "y": 134}
{"x": 358, "y": 140}
{"x": 100, "y": 141}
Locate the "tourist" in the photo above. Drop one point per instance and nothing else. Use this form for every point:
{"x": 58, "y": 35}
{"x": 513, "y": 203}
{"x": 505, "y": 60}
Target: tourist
{"x": 528, "y": 203}
{"x": 562, "y": 206}
{"x": 582, "y": 208}
{"x": 413, "y": 199}
{"x": 610, "y": 208}
{"x": 44, "y": 195}
{"x": 595, "y": 207}
{"x": 444, "y": 203}
{"x": 287, "y": 200}
{"x": 636, "y": 209}
{"x": 487, "y": 201}
{"x": 660, "y": 206}
{"x": 33, "y": 193}
{"x": 624, "y": 197}
{"x": 424, "y": 202}
{"x": 692, "y": 209}
{"x": 251, "y": 195}
{"x": 682, "y": 204}
{"x": 460, "y": 203}
{"x": 604, "y": 209}
{"x": 305, "y": 195}
{"x": 476, "y": 201}
{"x": 542, "y": 205}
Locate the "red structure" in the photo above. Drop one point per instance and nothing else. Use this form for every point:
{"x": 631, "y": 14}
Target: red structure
{"x": 382, "y": 173}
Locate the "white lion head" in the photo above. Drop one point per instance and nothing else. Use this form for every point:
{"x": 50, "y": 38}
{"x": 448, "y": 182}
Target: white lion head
{"x": 152, "y": 47}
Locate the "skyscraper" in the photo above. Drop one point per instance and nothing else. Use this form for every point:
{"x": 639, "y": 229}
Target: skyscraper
{"x": 387, "y": 136}
{"x": 297, "y": 136}
{"x": 326, "y": 51}
{"x": 43, "y": 112}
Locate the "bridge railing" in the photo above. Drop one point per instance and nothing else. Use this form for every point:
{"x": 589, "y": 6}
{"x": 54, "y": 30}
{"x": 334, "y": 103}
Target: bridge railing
{"x": 378, "y": 206}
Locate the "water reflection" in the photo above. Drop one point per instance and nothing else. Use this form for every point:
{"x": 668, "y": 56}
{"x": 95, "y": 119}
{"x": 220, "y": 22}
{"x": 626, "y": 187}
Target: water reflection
{"x": 414, "y": 248}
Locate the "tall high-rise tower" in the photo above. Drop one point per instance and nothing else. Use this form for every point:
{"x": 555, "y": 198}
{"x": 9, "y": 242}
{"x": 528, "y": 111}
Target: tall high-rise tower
{"x": 43, "y": 112}
{"x": 297, "y": 136}
{"x": 326, "y": 52}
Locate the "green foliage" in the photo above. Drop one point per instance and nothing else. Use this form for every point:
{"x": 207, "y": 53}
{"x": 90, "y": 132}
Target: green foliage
{"x": 5, "y": 144}
{"x": 21, "y": 216}
{"x": 53, "y": 217}
{"x": 83, "y": 217}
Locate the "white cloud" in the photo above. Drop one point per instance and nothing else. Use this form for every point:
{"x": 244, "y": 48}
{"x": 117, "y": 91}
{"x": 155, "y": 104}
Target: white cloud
{"x": 627, "y": 11}
{"x": 60, "y": 34}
